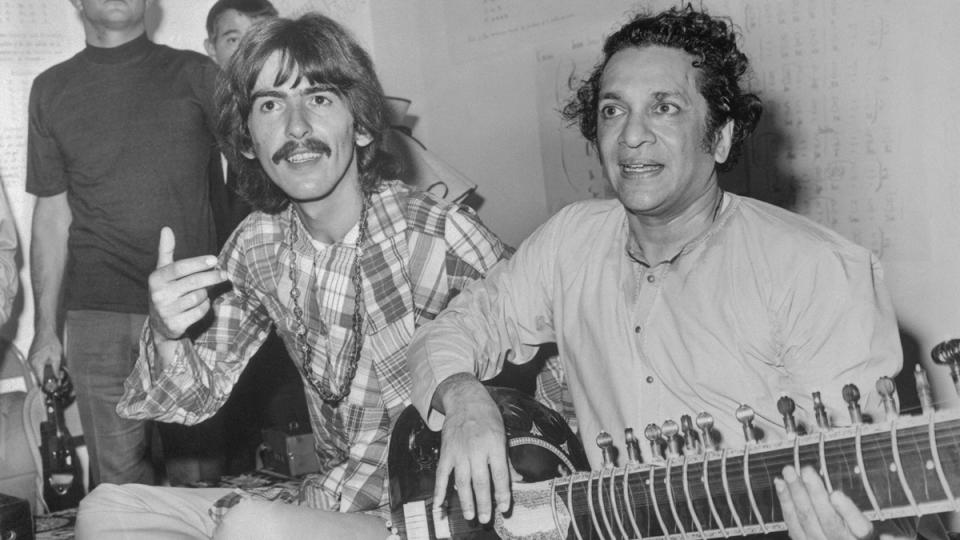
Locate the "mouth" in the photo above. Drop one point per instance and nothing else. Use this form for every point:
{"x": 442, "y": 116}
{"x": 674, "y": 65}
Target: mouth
{"x": 295, "y": 153}
{"x": 303, "y": 157}
{"x": 639, "y": 167}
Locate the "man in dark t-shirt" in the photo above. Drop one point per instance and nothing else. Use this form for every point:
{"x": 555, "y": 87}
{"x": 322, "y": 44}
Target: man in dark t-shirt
{"x": 120, "y": 144}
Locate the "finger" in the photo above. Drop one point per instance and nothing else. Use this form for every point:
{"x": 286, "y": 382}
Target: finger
{"x": 190, "y": 283}
{"x": 443, "y": 476}
{"x": 177, "y": 325}
{"x": 827, "y": 514}
{"x": 500, "y": 474}
{"x": 183, "y": 304}
{"x": 806, "y": 515}
{"x": 789, "y": 510}
{"x": 859, "y": 525}
{"x": 183, "y": 268}
{"x": 481, "y": 491}
{"x": 461, "y": 477}
{"x": 165, "y": 249}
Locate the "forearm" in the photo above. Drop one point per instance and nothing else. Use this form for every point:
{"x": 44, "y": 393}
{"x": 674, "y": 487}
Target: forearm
{"x": 48, "y": 259}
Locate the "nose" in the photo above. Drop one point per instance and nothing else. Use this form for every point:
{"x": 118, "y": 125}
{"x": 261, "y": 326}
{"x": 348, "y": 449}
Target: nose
{"x": 635, "y": 131}
{"x": 298, "y": 126}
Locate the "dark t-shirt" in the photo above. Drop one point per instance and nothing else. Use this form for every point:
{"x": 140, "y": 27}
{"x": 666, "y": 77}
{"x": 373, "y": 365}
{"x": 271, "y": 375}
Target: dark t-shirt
{"x": 127, "y": 132}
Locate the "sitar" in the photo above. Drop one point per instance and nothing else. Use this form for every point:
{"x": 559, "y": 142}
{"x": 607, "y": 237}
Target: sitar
{"x": 903, "y": 466}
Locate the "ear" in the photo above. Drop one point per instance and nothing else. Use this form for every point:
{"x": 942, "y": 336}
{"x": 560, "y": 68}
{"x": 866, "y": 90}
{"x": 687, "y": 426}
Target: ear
{"x": 363, "y": 139}
{"x": 211, "y": 52}
{"x": 723, "y": 140}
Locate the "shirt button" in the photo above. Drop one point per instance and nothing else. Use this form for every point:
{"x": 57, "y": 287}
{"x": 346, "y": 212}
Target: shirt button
{"x": 636, "y": 329}
{"x": 650, "y": 379}
{"x": 651, "y": 278}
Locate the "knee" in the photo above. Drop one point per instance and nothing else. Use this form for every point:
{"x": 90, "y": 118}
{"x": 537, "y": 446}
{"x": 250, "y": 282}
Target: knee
{"x": 102, "y": 501}
{"x": 248, "y": 519}
{"x": 103, "y": 497}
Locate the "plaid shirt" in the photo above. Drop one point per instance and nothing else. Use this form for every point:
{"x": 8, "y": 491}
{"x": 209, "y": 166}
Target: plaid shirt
{"x": 420, "y": 252}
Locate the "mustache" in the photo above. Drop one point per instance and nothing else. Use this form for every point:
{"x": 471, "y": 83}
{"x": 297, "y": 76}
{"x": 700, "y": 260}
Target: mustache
{"x": 310, "y": 145}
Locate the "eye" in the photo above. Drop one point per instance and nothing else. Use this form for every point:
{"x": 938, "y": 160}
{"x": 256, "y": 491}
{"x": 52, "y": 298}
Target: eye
{"x": 268, "y": 105}
{"x": 320, "y": 99}
{"x": 609, "y": 111}
{"x": 666, "y": 108}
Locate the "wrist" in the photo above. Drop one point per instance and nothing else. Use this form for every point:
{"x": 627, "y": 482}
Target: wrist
{"x": 454, "y": 390}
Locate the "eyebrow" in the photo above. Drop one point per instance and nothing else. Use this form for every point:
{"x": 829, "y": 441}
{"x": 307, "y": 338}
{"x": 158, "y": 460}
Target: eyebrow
{"x": 309, "y": 91}
{"x": 658, "y": 95}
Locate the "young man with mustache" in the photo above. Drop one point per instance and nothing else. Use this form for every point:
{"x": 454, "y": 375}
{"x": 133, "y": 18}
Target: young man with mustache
{"x": 342, "y": 260}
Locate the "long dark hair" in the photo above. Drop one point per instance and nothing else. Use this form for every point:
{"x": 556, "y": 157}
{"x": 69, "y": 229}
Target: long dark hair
{"x": 713, "y": 44}
{"x": 323, "y": 52}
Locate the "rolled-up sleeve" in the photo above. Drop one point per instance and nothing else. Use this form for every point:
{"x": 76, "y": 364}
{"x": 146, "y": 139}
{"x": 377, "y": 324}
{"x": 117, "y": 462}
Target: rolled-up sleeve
{"x": 503, "y": 317}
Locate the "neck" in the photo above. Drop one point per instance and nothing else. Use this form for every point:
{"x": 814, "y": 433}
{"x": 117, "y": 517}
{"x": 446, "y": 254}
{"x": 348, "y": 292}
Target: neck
{"x": 329, "y": 220}
{"x": 661, "y": 239}
{"x": 98, "y": 36}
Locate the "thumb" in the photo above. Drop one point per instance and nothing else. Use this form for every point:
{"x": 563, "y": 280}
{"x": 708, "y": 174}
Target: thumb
{"x": 165, "y": 250}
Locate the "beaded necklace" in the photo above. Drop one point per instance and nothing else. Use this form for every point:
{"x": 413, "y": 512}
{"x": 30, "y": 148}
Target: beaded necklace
{"x": 322, "y": 383}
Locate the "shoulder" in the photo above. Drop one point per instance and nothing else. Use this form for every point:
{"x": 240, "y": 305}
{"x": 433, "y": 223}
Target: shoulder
{"x": 53, "y": 79}
{"x": 189, "y": 62}
{"x": 185, "y": 56}
{"x": 583, "y": 222}
{"x": 424, "y": 211}
{"x": 792, "y": 238}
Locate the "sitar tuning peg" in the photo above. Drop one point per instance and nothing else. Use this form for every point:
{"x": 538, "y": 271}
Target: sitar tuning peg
{"x": 653, "y": 434}
{"x": 745, "y": 416}
{"x": 851, "y": 394}
{"x": 705, "y": 423}
{"x": 820, "y": 412}
{"x": 605, "y": 442}
{"x": 787, "y": 406}
{"x": 670, "y": 430}
{"x": 923, "y": 389}
{"x": 888, "y": 390}
{"x": 689, "y": 435}
{"x": 633, "y": 446}
{"x": 947, "y": 353}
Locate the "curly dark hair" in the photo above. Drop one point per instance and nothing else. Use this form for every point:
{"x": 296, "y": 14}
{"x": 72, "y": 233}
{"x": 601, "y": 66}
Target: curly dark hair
{"x": 713, "y": 43}
{"x": 323, "y": 52}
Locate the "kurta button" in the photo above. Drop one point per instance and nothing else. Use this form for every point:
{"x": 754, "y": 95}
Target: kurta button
{"x": 636, "y": 329}
{"x": 651, "y": 278}
{"x": 650, "y": 379}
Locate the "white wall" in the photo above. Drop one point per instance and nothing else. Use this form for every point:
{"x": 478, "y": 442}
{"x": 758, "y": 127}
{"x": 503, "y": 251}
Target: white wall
{"x": 871, "y": 81}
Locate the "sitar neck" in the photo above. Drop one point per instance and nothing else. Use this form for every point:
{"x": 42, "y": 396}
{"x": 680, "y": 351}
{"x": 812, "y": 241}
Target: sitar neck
{"x": 909, "y": 466}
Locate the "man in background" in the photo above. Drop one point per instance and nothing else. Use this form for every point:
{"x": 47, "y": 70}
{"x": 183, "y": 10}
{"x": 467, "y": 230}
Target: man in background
{"x": 269, "y": 393}
{"x": 120, "y": 143}
{"x": 227, "y": 22}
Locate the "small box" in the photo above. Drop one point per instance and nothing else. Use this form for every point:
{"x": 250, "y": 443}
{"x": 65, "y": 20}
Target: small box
{"x": 15, "y": 518}
{"x": 291, "y": 454}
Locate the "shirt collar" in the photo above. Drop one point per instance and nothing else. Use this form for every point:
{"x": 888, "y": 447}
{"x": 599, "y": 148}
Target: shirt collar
{"x": 726, "y": 207}
{"x": 131, "y": 50}
{"x": 385, "y": 218}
